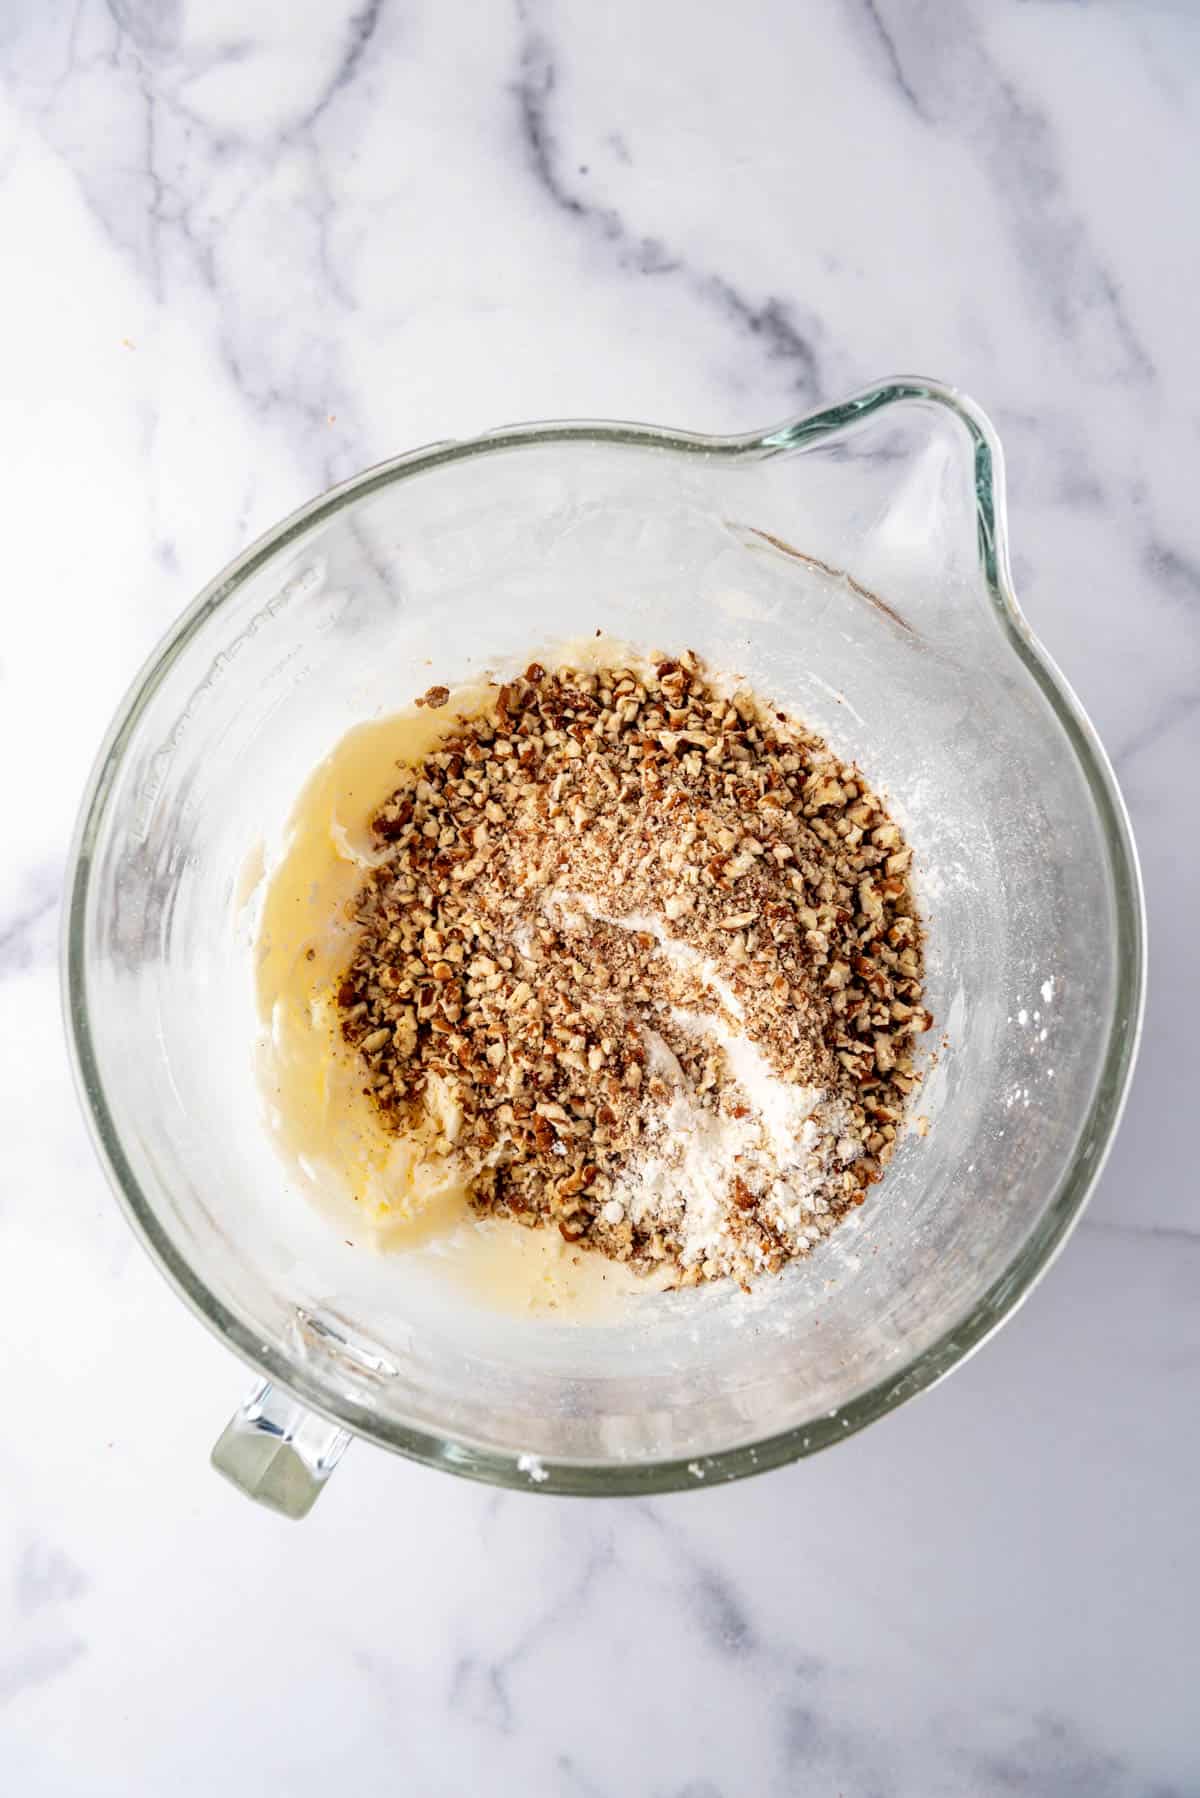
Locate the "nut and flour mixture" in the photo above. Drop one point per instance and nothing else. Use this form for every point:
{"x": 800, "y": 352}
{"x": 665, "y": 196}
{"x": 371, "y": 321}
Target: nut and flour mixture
{"x": 638, "y": 958}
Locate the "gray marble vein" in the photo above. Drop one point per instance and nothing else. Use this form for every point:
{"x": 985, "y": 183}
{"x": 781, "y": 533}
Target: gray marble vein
{"x": 1166, "y": 1233}
{"x": 965, "y": 91}
{"x": 360, "y": 29}
{"x": 768, "y": 322}
{"x": 889, "y": 58}
{"x": 25, "y": 932}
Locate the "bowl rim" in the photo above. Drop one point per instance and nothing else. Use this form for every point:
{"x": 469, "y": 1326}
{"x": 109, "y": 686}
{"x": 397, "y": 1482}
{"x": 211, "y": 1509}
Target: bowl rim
{"x": 1000, "y": 1299}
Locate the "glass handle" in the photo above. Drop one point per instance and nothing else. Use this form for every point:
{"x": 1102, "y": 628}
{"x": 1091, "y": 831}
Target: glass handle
{"x": 277, "y": 1452}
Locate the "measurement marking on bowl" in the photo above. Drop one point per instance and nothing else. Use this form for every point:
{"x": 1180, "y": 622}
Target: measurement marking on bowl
{"x": 309, "y": 1327}
{"x": 838, "y": 574}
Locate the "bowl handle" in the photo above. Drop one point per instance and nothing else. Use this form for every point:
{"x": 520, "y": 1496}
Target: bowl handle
{"x": 275, "y": 1451}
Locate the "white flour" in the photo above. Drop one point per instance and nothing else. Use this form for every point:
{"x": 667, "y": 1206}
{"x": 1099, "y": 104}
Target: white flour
{"x": 785, "y": 1149}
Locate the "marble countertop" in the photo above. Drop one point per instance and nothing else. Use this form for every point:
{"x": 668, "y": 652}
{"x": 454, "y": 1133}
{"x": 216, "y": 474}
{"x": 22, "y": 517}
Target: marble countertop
{"x": 248, "y": 250}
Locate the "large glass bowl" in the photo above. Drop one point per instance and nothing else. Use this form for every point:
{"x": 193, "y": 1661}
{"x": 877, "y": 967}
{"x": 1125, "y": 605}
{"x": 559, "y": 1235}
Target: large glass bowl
{"x": 853, "y": 566}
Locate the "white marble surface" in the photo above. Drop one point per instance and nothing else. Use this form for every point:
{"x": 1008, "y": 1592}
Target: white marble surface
{"x": 248, "y": 249}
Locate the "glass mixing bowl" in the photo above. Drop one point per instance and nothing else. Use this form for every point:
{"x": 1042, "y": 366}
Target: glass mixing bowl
{"x": 853, "y": 566}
